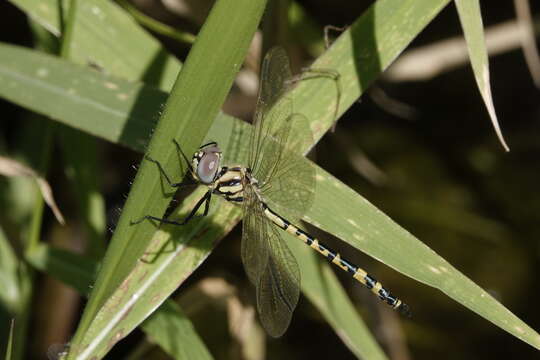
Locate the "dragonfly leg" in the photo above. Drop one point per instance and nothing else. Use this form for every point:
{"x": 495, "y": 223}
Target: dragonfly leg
{"x": 205, "y": 199}
{"x": 162, "y": 171}
{"x": 179, "y": 149}
{"x": 327, "y": 29}
{"x": 317, "y": 73}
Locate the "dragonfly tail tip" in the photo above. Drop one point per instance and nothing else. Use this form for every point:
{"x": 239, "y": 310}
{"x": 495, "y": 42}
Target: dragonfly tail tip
{"x": 404, "y": 310}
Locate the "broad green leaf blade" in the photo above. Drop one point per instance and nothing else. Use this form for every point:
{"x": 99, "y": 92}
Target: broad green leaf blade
{"x": 471, "y": 22}
{"x": 106, "y": 36}
{"x": 10, "y": 293}
{"x": 168, "y": 326}
{"x": 194, "y": 102}
{"x": 91, "y": 102}
{"x": 322, "y": 288}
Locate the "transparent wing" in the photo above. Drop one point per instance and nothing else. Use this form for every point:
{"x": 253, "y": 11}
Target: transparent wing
{"x": 286, "y": 180}
{"x": 271, "y": 267}
{"x": 278, "y": 289}
{"x": 275, "y": 74}
{"x": 277, "y": 142}
{"x": 254, "y": 247}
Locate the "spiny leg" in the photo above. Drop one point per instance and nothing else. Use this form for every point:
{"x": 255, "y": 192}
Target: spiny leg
{"x": 205, "y": 199}
{"x": 335, "y": 258}
{"x": 162, "y": 170}
{"x": 327, "y": 29}
{"x": 179, "y": 149}
{"x": 317, "y": 73}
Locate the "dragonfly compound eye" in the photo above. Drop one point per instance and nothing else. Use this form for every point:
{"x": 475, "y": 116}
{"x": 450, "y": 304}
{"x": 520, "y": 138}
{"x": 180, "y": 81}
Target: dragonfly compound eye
{"x": 209, "y": 164}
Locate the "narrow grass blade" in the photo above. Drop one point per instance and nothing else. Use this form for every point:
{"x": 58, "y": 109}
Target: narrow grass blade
{"x": 173, "y": 332}
{"x": 527, "y": 29}
{"x": 80, "y": 152}
{"x": 80, "y": 155}
{"x": 207, "y": 79}
{"x": 377, "y": 235}
{"x": 9, "y": 349}
{"x": 10, "y": 293}
{"x": 168, "y": 327}
{"x": 75, "y": 270}
{"x": 471, "y": 22}
{"x": 322, "y": 288}
{"x": 172, "y": 255}
{"x": 90, "y": 101}
{"x": 157, "y": 26}
{"x": 106, "y": 36}
{"x": 360, "y": 55}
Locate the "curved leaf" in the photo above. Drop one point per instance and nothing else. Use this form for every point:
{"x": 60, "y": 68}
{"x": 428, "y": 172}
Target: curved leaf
{"x": 471, "y": 22}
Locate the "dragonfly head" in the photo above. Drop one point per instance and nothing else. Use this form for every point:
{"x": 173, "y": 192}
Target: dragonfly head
{"x": 206, "y": 163}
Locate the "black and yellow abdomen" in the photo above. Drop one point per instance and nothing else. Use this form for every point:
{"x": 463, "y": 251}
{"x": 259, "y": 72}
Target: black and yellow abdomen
{"x": 335, "y": 258}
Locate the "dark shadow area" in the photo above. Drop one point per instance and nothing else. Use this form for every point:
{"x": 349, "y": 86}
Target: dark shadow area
{"x": 365, "y": 48}
{"x": 156, "y": 69}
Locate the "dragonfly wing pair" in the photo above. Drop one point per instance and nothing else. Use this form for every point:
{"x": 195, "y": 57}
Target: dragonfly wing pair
{"x": 286, "y": 183}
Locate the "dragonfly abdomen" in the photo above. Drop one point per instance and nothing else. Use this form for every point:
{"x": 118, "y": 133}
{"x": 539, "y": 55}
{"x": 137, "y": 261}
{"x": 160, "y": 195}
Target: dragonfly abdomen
{"x": 335, "y": 258}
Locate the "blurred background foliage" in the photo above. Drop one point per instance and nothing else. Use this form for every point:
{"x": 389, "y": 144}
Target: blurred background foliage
{"x": 419, "y": 145}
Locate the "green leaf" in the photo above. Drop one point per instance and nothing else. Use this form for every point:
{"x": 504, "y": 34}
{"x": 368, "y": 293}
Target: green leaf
{"x": 106, "y": 36}
{"x": 80, "y": 152}
{"x": 9, "y": 349}
{"x": 207, "y": 79}
{"x": 167, "y": 326}
{"x": 78, "y": 271}
{"x": 91, "y": 102}
{"x": 89, "y": 90}
{"x": 173, "y": 254}
{"x": 10, "y": 293}
{"x": 322, "y": 288}
{"x": 471, "y": 22}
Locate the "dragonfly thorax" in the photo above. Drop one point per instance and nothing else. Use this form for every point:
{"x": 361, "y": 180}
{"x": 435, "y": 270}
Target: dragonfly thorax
{"x": 228, "y": 182}
{"x": 231, "y": 183}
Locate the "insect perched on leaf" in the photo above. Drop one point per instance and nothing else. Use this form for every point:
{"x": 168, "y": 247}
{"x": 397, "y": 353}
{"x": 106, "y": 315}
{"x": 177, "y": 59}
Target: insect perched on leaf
{"x": 276, "y": 181}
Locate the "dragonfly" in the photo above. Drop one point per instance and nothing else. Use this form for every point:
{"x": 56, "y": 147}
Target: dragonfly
{"x": 276, "y": 181}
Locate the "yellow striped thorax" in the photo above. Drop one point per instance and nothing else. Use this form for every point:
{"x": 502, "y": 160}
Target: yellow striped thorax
{"x": 226, "y": 181}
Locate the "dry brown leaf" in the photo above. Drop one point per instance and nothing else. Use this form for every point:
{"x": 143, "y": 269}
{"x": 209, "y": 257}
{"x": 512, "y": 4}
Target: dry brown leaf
{"x": 10, "y": 167}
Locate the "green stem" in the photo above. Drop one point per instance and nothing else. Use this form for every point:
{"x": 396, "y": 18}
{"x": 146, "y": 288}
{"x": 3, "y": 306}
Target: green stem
{"x": 157, "y": 26}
